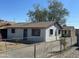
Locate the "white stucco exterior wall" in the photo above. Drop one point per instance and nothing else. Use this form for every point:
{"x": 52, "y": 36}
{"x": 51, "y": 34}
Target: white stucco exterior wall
{"x": 52, "y": 37}
{"x": 17, "y": 35}
{"x": 44, "y": 34}
{"x": 36, "y": 38}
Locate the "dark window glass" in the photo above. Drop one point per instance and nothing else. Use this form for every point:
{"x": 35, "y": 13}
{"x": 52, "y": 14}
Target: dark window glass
{"x": 59, "y": 31}
{"x": 35, "y": 32}
{"x": 51, "y": 31}
{"x": 66, "y": 33}
{"x": 13, "y": 30}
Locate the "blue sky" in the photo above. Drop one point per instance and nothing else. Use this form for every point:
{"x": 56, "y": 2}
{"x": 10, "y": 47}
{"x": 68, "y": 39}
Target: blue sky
{"x": 16, "y": 10}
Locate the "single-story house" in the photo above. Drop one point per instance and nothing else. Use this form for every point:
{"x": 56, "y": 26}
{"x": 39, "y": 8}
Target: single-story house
{"x": 69, "y": 32}
{"x": 40, "y": 31}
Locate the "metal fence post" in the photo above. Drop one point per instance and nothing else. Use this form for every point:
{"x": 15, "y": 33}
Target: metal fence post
{"x": 5, "y": 46}
{"x": 60, "y": 46}
{"x": 34, "y": 50}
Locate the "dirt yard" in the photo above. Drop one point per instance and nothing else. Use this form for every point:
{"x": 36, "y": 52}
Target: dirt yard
{"x": 5, "y": 46}
{"x": 25, "y": 51}
{"x": 71, "y": 53}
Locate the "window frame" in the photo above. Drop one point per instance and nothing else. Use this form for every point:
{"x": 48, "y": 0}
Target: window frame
{"x": 51, "y": 32}
{"x": 34, "y": 30}
{"x": 12, "y": 30}
{"x": 59, "y": 31}
{"x": 66, "y": 33}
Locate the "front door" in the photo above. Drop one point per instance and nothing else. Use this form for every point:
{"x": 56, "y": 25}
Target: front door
{"x": 25, "y": 34}
{"x": 3, "y": 33}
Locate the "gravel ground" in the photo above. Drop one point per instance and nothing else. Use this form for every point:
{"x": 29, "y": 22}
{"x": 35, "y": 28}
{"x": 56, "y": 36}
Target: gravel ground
{"x": 10, "y": 46}
{"x": 71, "y": 53}
{"x": 26, "y": 51}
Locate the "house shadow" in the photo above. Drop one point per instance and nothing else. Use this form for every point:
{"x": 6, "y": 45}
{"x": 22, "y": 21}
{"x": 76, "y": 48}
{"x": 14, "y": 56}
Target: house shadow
{"x": 75, "y": 45}
{"x": 77, "y": 48}
{"x": 21, "y": 41}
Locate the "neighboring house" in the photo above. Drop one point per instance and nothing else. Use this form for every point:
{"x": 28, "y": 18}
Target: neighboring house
{"x": 4, "y": 24}
{"x": 3, "y": 32}
{"x": 40, "y": 31}
{"x": 69, "y": 32}
{"x": 77, "y": 33}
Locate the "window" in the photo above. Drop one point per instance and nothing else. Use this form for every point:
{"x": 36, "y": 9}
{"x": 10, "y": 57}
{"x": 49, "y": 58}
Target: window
{"x": 35, "y": 32}
{"x": 59, "y": 31}
{"x": 51, "y": 31}
{"x": 66, "y": 33}
{"x": 13, "y": 30}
